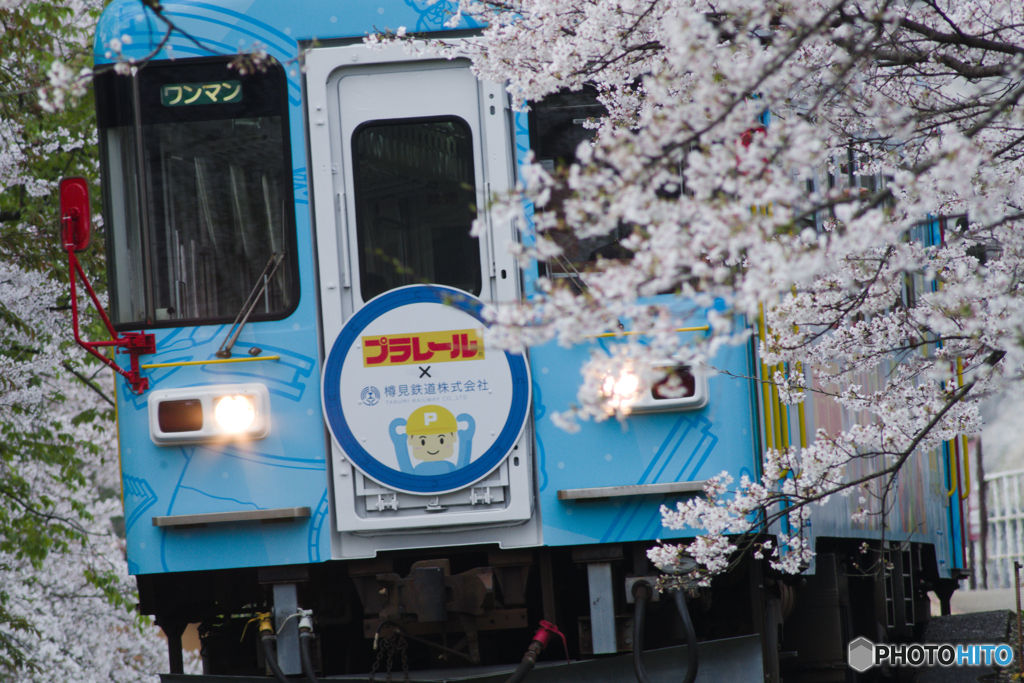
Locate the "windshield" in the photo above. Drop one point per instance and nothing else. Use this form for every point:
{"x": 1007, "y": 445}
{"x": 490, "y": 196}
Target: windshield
{"x": 192, "y": 238}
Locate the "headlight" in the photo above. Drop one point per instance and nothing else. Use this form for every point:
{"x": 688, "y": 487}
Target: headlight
{"x": 212, "y": 413}
{"x": 234, "y": 413}
{"x": 621, "y": 391}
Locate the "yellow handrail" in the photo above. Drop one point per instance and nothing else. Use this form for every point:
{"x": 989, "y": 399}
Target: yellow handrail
{"x": 212, "y": 361}
{"x": 702, "y": 328}
{"x": 769, "y": 432}
{"x": 954, "y": 471}
{"x": 800, "y": 411}
{"x": 967, "y": 463}
{"x": 801, "y": 420}
{"x": 782, "y": 414}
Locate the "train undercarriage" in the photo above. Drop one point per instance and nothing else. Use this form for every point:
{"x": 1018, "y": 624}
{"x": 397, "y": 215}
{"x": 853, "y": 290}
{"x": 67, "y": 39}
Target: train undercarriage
{"x": 467, "y": 613}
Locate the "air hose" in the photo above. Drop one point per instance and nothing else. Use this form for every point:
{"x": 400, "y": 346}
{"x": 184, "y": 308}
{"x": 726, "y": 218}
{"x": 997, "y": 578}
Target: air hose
{"x": 267, "y": 642}
{"x": 305, "y": 646}
{"x": 641, "y": 594}
{"x": 691, "y": 637}
{"x": 524, "y": 667}
{"x": 540, "y": 641}
{"x": 267, "y": 638}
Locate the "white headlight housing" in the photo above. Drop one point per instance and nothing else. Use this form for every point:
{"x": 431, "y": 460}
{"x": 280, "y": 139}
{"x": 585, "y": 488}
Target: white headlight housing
{"x": 210, "y": 413}
{"x": 684, "y": 387}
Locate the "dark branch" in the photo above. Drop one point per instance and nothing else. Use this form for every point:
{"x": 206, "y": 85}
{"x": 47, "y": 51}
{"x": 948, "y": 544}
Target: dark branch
{"x": 87, "y": 382}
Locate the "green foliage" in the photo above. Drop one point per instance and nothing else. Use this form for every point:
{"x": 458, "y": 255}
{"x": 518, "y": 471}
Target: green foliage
{"x": 46, "y": 438}
{"x": 46, "y": 146}
{"x": 30, "y": 526}
{"x": 11, "y": 657}
{"x": 108, "y": 583}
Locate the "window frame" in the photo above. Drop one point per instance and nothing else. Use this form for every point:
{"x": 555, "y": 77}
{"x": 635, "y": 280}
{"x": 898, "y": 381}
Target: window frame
{"x": 112, "y": 91}
{"x": 357, "y": 190}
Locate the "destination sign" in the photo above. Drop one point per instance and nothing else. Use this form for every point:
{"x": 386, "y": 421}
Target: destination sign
{"x": 217, "y": 92}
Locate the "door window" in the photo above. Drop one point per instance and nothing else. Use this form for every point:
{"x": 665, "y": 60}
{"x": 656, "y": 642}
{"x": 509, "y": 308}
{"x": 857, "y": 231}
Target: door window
{"x": 415, "y": 196}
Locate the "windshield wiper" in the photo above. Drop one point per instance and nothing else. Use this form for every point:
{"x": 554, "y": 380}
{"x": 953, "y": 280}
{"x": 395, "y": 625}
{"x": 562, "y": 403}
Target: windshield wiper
{"x": 250, "y": 303}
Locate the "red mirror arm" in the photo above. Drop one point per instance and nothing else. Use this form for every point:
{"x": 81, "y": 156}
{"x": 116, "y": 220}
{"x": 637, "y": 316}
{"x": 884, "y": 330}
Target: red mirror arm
{"x": 135, "y": 343}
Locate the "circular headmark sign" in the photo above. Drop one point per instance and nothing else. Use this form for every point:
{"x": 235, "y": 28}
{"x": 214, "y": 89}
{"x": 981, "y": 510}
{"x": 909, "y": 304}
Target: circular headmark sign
{"x": 416, "y": 398}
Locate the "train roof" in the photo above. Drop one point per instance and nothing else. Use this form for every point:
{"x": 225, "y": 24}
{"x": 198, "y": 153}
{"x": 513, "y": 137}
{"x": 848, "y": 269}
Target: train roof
{"x": 230, "y": 26}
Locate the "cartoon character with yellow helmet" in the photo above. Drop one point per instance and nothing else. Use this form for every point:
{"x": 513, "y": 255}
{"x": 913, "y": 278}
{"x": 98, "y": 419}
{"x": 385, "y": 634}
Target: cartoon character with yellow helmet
{"x": 431, "y": 433}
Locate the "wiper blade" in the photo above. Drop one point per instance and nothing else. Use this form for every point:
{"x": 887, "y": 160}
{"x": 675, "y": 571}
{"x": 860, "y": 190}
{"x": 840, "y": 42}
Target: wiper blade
{"x": 250, "y": 303}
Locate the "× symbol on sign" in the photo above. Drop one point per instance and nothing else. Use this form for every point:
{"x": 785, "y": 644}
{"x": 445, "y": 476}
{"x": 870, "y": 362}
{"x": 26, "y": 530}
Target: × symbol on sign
{"x": 424, "y": 371}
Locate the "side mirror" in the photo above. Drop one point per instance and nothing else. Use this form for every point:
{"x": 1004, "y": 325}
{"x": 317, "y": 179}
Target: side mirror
{"x": 74, "y": 214}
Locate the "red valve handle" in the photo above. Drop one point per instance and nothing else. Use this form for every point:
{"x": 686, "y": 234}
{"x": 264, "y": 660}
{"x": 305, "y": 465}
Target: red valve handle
{"x": 544, "y": 634}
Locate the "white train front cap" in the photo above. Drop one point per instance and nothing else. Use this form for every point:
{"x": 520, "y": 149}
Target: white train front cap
{"x": 416, "y": 398}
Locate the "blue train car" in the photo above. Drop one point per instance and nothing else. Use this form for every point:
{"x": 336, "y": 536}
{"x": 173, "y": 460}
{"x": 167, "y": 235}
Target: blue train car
{"x": 332, "y": 448}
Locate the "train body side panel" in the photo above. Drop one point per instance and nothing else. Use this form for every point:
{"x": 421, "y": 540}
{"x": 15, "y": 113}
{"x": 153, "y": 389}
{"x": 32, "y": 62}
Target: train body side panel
{"x": 645, "y": 449}
{"x": 284, "y": 470}
{"x": 922, "y": 505}
{"x": 920, "y": 508}
{"x": 287, "y": 469}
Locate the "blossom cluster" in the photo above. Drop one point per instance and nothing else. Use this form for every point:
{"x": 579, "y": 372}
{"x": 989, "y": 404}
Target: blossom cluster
{"x": 873, "y": 223}
{"x": 67, "y": 598}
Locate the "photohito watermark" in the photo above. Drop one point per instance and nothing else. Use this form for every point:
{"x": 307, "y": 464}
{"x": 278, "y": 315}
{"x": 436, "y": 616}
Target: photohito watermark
{"x": 862, "y": 654}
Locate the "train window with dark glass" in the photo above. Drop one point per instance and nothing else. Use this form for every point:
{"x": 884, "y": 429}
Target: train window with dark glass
{"x": 415, "y": 195}
{"x": 198, "y": 198}
{"x": 557, "y": 128}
